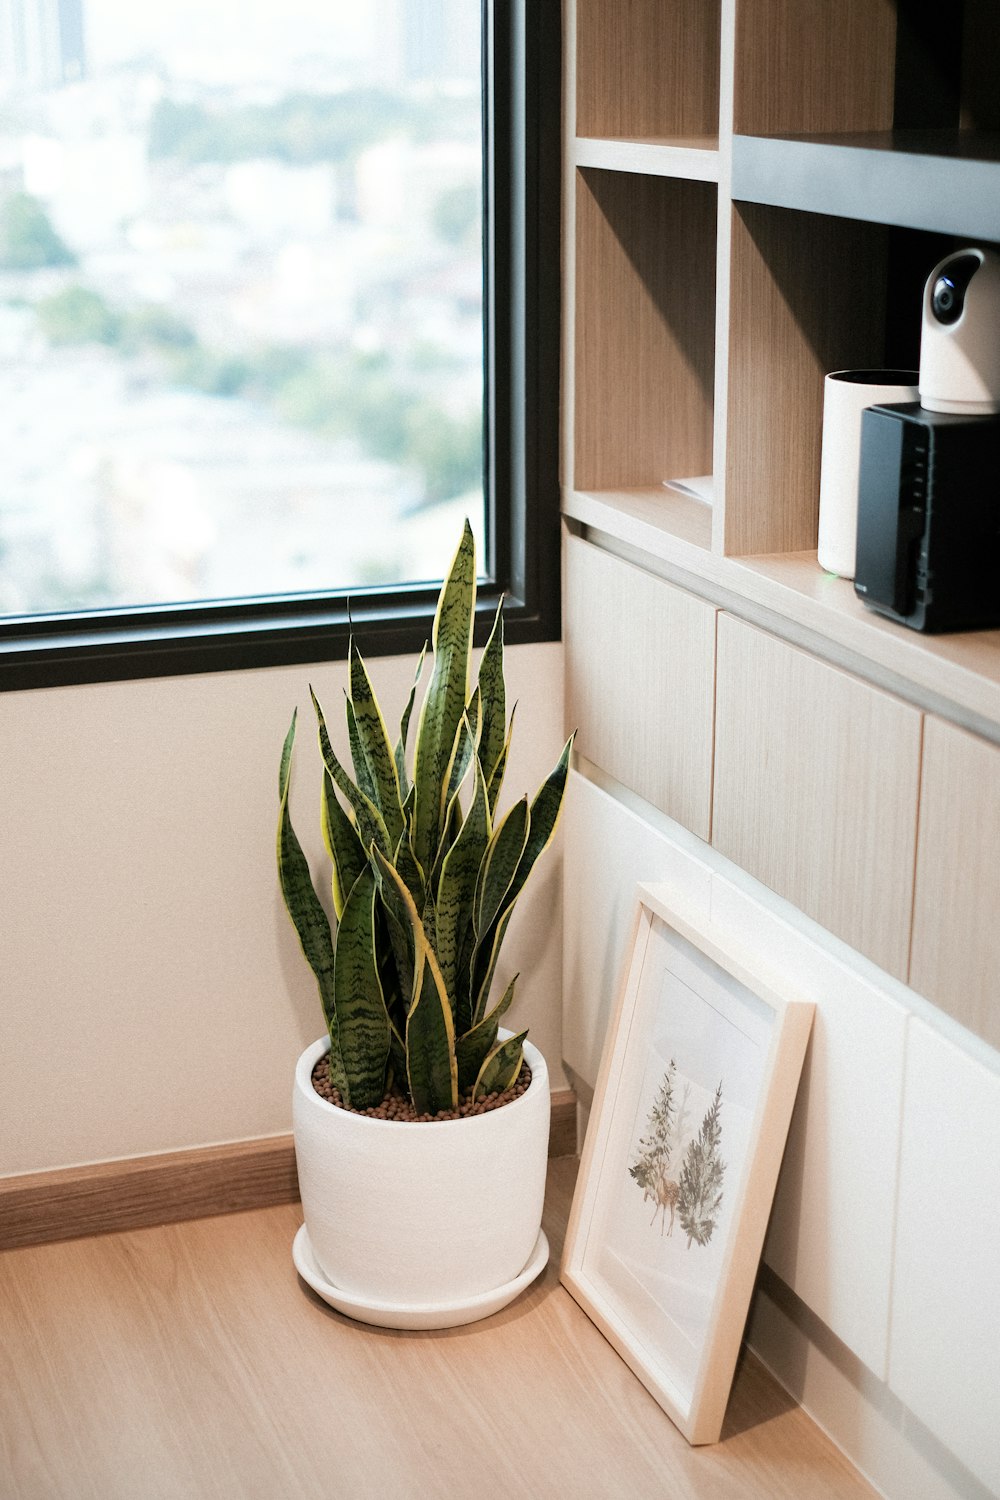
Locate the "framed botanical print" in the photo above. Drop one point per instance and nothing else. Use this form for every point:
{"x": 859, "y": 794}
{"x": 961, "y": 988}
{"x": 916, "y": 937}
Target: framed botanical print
{"x": 697, "y": 1083}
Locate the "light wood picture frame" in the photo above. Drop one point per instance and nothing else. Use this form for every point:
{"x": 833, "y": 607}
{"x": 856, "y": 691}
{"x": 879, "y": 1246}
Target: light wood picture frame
{"x": 698, "y": 1078}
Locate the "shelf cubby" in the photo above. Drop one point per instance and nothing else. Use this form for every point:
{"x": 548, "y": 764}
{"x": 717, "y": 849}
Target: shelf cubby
{"x": 809, "y": 293}
{"x": 851, "y": 66}
{"x": 812, "y": 68}
{"x": 648, "y": 72}
{"x": 644, "y": 331}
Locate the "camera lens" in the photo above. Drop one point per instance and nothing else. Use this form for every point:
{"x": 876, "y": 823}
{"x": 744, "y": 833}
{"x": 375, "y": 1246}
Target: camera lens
{"x": 949, "y": 290}
{"x": 944, "y": 302}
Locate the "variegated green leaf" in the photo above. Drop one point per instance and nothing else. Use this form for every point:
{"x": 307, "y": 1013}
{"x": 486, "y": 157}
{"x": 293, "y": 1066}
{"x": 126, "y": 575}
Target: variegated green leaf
{"x": 362, "y": 1021}
{"x": 545, "y": 810}
{"x": 410, "y": 872}
{"x": 345, "y": 849}
{"x": 462, "y": 756}
{"x": 494, "y": 699}
{"x": 495, "y": 782}
{"x": 501, "y": 1067}
{"x": 375, "y": 747}
{"x": 362, "y": 773}
{"x": 455, "y": 897}
{"x": 371, "y": 826}
{"x": 472, "y": 1047}
{"x": 399, "y": 753}
{"x": 430, "y": 1041}
{"x": 444, "y": 705}
{"x": 499, "y": 866}
{"x": 402, "y": 920}
{"x": 474, "y": 714}
{"x": 483, "y": 964}
{"x": 308, "y": 916}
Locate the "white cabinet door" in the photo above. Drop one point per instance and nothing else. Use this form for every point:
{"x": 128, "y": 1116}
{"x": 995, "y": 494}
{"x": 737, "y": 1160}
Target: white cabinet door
{"x": 831, "y": 1232}
{"x": 944, "y": 1357}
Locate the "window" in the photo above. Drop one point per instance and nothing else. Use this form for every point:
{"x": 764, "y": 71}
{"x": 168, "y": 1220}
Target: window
{"x": 278, "y": 306}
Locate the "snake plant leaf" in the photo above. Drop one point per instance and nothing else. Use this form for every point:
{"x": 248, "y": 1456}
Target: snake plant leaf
{"x": 431, "y": 1070}
{"x": 371, "y": 826}
{"x": 362, "y": 774}
{"x": 362, "y": 1020}
{"x": 545, "y": 810}
{"x": 501, "y": 1067}
{"x": 455, "y": 897}
{"x": 495, "y": 780}
{"x": 483, "y": 964}
{"x": 346, "y": 851}
{"x": 402, "y": 920}
{"x": 472, "y": 1047}
{"x": 308, "y": 916}
{"x": 474, "y": 714}
{"x": 399, "y": 753}
{"x": 500, "y": 865}
{"x": 412, "y": 875}
{"x": 494, "y": 699}
{"x": 462, "y": 757}
{"x": 376, "y": 751}
{"x": 447, "y": 695}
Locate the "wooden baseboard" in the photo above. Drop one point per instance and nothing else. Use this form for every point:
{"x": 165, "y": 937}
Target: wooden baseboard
{"x": 39, "y": 1207}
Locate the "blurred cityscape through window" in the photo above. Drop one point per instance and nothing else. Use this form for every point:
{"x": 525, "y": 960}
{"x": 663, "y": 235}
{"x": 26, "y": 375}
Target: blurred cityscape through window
{"x": 241, "y": 297}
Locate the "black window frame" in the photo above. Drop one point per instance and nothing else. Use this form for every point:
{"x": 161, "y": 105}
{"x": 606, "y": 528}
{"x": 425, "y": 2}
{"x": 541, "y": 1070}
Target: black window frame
{"x": 522, "y": 67}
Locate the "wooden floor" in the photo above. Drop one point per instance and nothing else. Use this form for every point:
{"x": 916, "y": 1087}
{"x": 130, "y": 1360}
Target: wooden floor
{"x": 190, "y": 1362}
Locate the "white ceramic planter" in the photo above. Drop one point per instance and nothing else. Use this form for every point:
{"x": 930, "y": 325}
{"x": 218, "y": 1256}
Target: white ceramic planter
{"x": 421, "y": 1214}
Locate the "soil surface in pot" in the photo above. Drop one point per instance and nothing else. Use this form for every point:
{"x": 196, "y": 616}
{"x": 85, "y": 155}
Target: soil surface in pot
{"x": 395, "y": 1105}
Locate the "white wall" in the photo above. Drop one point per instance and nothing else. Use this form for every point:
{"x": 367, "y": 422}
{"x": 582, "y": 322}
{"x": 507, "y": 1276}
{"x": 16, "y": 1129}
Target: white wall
{"x": 154, "y": 996}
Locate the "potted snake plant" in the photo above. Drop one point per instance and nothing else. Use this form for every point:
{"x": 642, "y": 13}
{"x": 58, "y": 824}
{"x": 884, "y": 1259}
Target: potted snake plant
{"x": 420, "y": 1126}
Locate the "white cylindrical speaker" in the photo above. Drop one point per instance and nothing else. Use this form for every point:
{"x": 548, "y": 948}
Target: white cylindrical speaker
{"x": 846, "y": 393}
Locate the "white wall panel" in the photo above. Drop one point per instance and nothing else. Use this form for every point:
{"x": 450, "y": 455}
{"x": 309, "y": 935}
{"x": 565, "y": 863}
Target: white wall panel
{"x": 944, "y": 1358}
{"x": 608, "y": 850}
{"x": 830, "y": 1238}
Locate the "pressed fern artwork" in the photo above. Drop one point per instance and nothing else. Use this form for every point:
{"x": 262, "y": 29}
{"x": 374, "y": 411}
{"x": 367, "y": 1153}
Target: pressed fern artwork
{"x": 681, "y": 1174}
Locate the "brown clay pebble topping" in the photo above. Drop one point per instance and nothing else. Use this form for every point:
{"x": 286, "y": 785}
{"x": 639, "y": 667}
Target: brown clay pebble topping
{"x": 395, "y": 1105}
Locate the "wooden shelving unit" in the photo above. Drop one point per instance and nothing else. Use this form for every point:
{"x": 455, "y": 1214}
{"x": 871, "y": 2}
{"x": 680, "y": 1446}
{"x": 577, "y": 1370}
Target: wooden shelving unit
{"x": 756, "y": 191}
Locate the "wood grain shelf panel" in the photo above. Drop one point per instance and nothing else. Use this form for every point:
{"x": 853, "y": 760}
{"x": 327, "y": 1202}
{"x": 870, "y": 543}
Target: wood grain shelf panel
{"x": 696, "y": 158}
{"x": 654, "y": 71}
{"x": 650, "y": 515}
{"x": 816, "y": 787}
{"x": 955, "y": 951}
{"x": 644, "y": 332}
{"x": 955, "y": 675}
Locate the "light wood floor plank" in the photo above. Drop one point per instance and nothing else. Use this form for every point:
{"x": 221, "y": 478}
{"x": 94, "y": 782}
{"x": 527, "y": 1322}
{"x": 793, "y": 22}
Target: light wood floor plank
{"x": 188, "y": 1362}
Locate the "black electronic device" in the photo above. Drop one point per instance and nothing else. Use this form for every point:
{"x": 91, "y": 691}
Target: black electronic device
{"x": 928, "y": 543}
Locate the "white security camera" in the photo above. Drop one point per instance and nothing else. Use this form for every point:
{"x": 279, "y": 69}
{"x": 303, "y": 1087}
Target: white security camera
{"x": 960, "y": 336}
